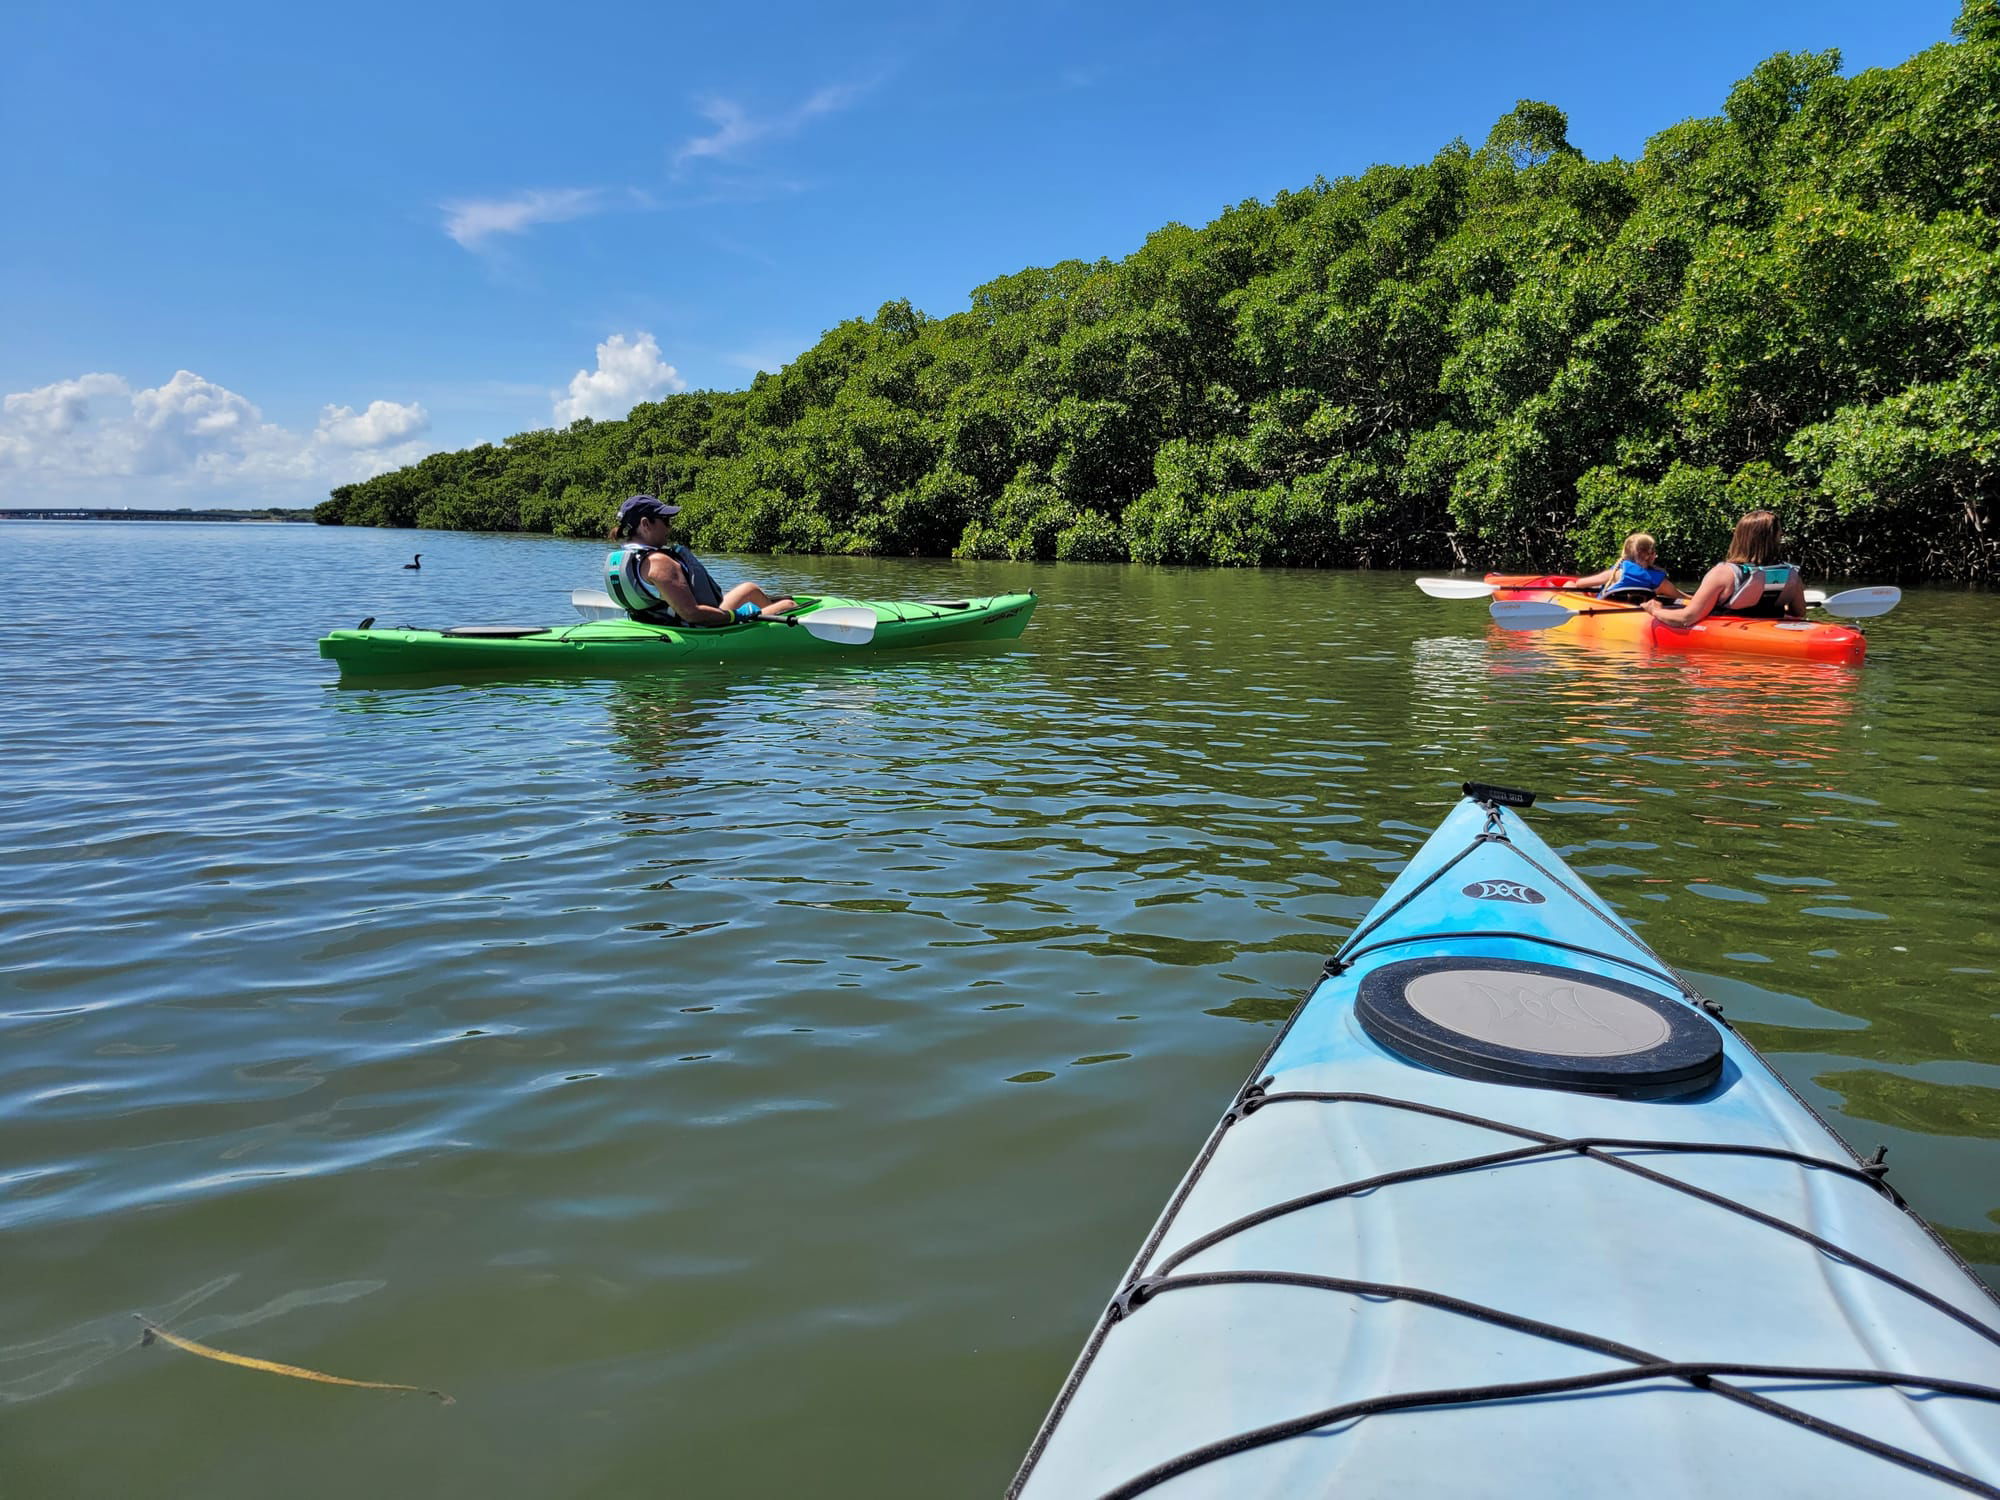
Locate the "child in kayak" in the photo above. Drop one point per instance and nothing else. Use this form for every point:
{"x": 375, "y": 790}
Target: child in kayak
{"x": 1749, "y": 581}
{"x": 1636, "y": 577}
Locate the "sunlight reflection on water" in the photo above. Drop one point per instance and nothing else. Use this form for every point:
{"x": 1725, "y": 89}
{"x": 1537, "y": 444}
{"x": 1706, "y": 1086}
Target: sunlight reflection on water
{"x": 654, "y": 1061}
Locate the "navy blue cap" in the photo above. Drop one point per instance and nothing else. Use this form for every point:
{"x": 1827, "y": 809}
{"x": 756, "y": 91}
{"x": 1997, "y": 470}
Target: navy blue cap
{"x": 635, "y": 510}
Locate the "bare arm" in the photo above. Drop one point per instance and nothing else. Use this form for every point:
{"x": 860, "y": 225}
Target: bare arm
{"x": 1700, "y": 604}
{"x": 1793, "y": 600}
{"x": 669, "y": 581}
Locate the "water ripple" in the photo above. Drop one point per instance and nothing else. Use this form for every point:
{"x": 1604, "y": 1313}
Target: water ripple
{"x": 653, "y": 1061}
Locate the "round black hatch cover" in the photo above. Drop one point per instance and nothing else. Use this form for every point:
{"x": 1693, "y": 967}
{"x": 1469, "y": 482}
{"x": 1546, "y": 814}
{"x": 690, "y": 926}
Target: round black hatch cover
{"x": 1539, "y": 1026}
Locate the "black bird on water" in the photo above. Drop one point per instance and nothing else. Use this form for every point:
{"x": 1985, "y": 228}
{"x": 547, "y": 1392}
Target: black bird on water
{"x": 417, "y": 562}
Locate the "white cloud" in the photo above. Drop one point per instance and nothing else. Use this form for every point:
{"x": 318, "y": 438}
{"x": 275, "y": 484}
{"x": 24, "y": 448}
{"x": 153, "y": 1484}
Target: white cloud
{"x": 471, "y": 220}
{"x": 191, "y": 421}
{"x": 383, "y": 422}
{"x": 58, "y": 408}
{"x": 626, "y": 374}
{"x": 735, "y": 129}
{"x": 96, "y": 434}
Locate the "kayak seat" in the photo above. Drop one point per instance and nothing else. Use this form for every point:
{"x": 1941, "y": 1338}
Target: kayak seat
{"x": 1539, "y": 1025}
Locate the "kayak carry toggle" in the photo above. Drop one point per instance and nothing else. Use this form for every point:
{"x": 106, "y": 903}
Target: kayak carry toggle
{"x": 1489, "y": 795}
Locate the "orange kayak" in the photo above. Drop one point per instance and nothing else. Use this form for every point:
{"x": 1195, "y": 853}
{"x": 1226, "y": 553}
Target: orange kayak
{"x": 1599, "y": 620}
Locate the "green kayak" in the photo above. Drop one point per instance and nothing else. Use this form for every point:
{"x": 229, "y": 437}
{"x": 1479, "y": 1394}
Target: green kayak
{"x": 619, "y": 646}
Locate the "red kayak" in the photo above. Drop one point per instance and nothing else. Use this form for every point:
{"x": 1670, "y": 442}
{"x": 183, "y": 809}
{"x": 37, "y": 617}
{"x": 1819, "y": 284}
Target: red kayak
{"x": 1600, "y": 620}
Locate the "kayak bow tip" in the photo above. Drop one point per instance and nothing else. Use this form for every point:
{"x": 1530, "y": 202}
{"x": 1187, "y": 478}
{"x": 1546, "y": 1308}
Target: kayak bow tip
{"x": 1489, "y": 795}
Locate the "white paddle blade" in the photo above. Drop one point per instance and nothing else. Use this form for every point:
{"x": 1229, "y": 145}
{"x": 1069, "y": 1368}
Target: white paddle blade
{"x": 1859, "y": 604}
{"x": 1455, "y": 588}
{"x": 1528, "y": 614}
{"x": 595, "y": 604}
{"x": 1815, "y": 598}
{"x": 851, "y": 626}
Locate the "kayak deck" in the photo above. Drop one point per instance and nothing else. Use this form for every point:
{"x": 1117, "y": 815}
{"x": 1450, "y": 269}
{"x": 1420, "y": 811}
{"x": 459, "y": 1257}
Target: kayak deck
{"x": 1601, "y": 620}
{"x": 1387, "y": 1278}
{"x": 623, "y": 646}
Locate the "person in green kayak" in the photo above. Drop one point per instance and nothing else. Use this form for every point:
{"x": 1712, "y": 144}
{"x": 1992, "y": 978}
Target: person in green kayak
{"x": 1749, "y": 581}
{"x": 657, "y": 579}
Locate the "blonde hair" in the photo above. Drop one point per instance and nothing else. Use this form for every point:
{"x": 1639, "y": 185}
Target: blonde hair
{"x": 1636, "y": 543}
{"x": 1756, "y": 541}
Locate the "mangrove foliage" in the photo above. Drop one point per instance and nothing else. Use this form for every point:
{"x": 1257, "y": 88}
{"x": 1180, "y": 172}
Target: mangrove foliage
{"x": 1508, "y": 355}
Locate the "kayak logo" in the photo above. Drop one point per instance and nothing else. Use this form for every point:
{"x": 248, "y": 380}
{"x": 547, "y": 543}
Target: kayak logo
{"x": 1504, "y": 890}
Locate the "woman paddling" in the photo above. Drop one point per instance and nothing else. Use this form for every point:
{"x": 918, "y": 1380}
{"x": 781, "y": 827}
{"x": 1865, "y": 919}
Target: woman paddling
{"x": 1749, "y": 581}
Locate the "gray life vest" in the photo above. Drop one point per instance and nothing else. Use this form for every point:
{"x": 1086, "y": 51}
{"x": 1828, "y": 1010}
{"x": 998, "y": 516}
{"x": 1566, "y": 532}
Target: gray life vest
{"x": 625, "y": 581}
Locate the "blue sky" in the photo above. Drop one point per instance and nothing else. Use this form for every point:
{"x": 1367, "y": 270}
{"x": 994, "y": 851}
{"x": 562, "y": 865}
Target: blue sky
{"x": 250, "y": 251}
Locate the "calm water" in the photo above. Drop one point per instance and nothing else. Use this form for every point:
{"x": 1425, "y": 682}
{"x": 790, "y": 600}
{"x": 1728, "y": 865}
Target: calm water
{"x": 751, "y": 1083}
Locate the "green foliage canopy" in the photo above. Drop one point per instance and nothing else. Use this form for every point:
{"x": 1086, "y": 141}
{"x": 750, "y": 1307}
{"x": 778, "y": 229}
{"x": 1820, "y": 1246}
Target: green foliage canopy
{"x": 1504, "y": 356}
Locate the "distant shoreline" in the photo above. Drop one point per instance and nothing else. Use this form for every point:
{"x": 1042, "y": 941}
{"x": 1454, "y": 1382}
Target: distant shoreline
{"x": 87, "y": 513}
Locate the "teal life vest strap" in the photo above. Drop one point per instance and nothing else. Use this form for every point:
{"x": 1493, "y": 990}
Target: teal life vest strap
{"x": 625, "y": 581}
{"x": 1769, "y": 582}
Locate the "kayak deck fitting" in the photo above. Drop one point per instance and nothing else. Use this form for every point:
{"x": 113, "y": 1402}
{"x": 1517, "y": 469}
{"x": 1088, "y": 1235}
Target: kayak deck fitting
{"x": 1602, "y": 620}
{"x": 1509, "y": 1210}
{"x": 621, "y": 646}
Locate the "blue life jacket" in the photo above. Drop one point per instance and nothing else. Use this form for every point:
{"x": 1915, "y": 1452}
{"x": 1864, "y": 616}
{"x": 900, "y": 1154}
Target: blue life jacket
{"x": 1757, "y": 589}
{"x": 1630, "y": 581}
{"x": 625, "y": 581}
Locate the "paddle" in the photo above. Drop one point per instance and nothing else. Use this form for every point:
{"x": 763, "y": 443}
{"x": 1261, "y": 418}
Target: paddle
{"x": 843, "y": 626}
{"x": 1857, "y": 604}
{"x": 1456, "y": 588}
{"x": 595, "y": 604}
{"x": 1542, "y": 614}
